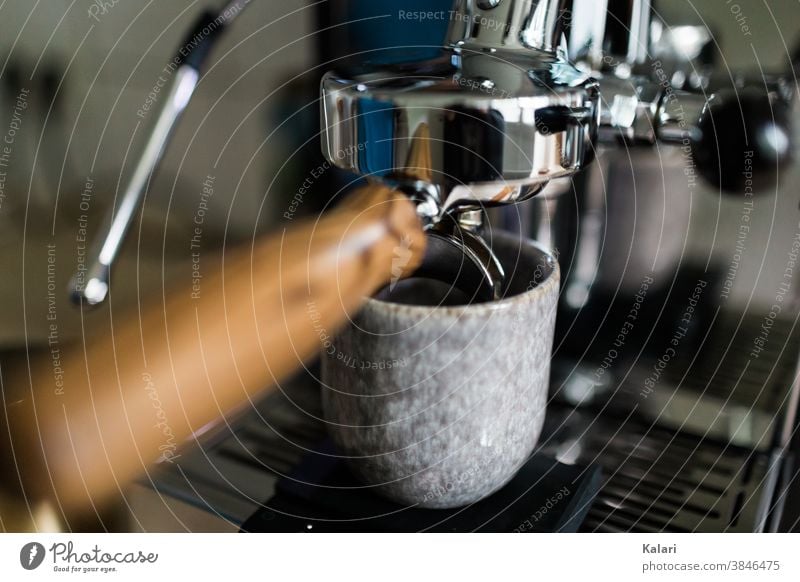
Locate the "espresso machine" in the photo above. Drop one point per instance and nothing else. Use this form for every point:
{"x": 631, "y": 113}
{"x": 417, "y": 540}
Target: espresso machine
{"x": 526, "y": 94}
{"x": 549, "y": 101}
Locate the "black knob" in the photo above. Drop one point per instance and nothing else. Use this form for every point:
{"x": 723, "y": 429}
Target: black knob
{"x": 745, "y": 140}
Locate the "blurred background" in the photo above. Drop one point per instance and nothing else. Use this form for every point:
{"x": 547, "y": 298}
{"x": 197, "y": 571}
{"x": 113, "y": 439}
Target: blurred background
{"x": 84, "y": 70}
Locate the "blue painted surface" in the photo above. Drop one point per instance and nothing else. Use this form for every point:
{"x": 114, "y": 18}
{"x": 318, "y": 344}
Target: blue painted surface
{"x": 389, "y": 26}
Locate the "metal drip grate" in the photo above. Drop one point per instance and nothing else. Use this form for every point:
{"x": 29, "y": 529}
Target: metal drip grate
{"x": 659, "y": 474}
{"x": 661, "y": 480}
{"x": 694, "y": 455}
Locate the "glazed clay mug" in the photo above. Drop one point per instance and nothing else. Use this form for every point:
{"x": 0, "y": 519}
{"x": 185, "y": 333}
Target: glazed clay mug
{"x": 439, "y": 406}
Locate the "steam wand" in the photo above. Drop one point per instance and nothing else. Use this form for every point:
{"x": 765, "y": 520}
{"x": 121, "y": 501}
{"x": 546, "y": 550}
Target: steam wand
{"x": 90, "y": 286}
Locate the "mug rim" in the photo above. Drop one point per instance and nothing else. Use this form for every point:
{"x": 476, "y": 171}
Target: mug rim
{"x": 542, "y": 289}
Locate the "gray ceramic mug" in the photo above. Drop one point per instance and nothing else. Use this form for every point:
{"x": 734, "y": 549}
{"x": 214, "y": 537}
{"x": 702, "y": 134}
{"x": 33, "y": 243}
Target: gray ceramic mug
{"x": 440, "y": 406}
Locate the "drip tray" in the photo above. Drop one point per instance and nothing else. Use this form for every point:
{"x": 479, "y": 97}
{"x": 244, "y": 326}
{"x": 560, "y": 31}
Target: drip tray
{"x": 661, "y": 480}
{"x": 661, "y": 473}
{"x": 654, "y": 478}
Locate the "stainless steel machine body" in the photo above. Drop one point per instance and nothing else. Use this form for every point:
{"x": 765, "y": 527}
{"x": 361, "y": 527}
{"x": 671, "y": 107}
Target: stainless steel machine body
{"x": 504, "y": 109}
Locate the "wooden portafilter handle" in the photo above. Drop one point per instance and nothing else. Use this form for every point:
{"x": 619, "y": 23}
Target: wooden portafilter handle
{"x": 135, "y": 393}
